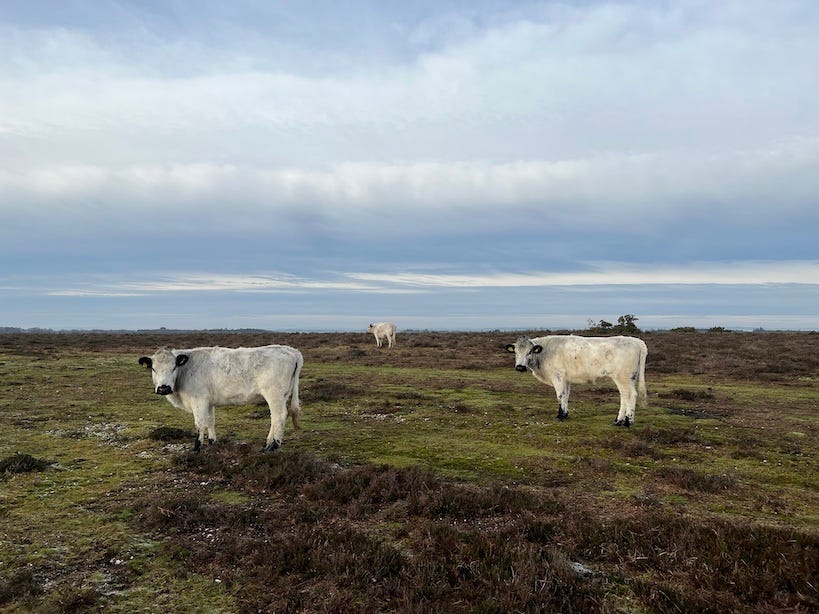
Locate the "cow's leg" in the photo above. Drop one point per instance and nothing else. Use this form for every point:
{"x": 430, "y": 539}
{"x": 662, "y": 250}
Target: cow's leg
{"x": 212, "y": 424}
{"x": 635, "y": 396}
{"x": 278, "y": 416}
{"x": 201, "y": 413}
{"x": 628, "y": 399}
{"x": 562, "y": 390}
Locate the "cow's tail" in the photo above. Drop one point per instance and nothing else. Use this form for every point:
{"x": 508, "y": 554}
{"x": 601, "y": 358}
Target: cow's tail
{"x": 293, "y": 406}
{"x": 642, "y": 394}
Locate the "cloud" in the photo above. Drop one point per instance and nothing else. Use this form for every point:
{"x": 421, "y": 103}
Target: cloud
{"x": 94, "y": 293}
{"x": 595, "y": 274}
{"x": 608, "y": 274}
{"x": 783, "y": 171}
{"x": 554, "y": 84}
{"x": 222, "y": 284}
{"x": 609, "y": 114}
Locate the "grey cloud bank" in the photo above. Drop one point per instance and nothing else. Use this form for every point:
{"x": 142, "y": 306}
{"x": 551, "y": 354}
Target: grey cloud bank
{"x": 486, "y": 164}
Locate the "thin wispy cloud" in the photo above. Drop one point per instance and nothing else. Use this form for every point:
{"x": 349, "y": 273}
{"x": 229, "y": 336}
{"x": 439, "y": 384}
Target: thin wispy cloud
{"x": 597, "y": 274}
{"x": 221, "y": 283}
{"x": 732, "y": 273}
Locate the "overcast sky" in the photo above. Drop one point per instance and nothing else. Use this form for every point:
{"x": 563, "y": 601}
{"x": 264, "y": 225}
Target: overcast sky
{"x": 446, "y": 165}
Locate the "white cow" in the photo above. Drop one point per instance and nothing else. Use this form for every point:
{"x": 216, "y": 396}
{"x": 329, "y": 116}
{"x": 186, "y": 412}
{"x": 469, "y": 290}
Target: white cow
{"x": 382, "y": 331}
{"x": 200, "y": 379}
{"x": 563, "y": 360}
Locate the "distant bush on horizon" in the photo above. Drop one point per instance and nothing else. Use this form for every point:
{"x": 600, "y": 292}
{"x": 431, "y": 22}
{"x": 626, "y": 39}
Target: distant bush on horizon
{"x": 625, "y": 326}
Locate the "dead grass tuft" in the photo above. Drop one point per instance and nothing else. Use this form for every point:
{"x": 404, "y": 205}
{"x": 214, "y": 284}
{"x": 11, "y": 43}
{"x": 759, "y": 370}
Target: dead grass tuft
{"x": 693, "y": 480}
{"x": 688, "y": 395}
{"x": 668, "y": 436}
{"x": 243, "y": 468}
{"x": 463, "y": 501}
{"x": 22, "y": 463}
{"x": 166, "y": 433}
{"x": 19, "y": 586}
{"x": 70, "y": 600}
{"x": 706, "y": 564}
{"x": 320, "y": 390}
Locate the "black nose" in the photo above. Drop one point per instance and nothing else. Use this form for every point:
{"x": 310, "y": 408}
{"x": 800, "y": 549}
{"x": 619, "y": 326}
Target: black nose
{"x": 520, "y": 368}
{"x": 164, "y": 389}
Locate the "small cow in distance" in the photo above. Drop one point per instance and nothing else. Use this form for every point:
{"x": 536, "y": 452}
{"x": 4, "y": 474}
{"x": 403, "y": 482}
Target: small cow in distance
{"x": 200, "y": 379}
{"x": 563, "y": 360}
{"x": 382, "y": 331}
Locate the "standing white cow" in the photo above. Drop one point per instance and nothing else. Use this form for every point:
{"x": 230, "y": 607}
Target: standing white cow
{"x": 382, "y": 331}
{"x": 563, "y": 360}
{"x": 200, "y": 379}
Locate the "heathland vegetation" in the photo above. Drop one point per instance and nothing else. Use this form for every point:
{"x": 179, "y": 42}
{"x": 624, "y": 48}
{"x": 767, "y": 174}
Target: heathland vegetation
{"x": 427, "y": 478}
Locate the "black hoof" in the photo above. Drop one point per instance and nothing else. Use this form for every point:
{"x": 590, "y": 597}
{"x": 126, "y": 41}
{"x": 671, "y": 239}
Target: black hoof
{"x": 562, "y": 416}
{"x": 272, "y": 446}
{"x": 618, "y": 423}
{"x": 197, "y": 445}
{"x": 627, "y": 422}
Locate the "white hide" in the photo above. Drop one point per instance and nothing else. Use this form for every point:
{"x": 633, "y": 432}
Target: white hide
{"x": 563, "y": 360}
{"x": 211, "y": 377}
{"x": 383, "y": 331}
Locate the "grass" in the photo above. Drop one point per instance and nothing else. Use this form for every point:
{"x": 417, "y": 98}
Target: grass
{"x": 423, "y": 479}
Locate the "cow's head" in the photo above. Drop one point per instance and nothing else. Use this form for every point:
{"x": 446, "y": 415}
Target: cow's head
{"x": 525, "y": 352}
{"x": 164, "y": 367}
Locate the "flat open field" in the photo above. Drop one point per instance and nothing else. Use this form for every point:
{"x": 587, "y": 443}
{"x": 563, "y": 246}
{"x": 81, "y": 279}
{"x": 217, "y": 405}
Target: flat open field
{"x": 427, "y": 478}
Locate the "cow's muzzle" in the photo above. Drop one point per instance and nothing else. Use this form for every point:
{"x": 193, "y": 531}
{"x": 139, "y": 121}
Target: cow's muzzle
{"x": 164, "y": 390}
{"x": 520, "y": 368}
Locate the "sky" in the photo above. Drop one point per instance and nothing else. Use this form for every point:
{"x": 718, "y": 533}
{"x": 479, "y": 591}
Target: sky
{"x": 441, "y": 164}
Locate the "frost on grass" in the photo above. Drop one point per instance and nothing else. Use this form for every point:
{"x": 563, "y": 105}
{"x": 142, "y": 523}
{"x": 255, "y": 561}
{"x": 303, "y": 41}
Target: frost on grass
{"x": 109, "y": 433}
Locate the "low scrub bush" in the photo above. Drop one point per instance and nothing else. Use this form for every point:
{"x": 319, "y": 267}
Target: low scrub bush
{"x": 322, "y": 537}
{"x": 166, "y": 433}
{"x": 23, "y": 463}
{"x": 688, "y": 395}
{"x": 706, "y": 564}
{"x": 321, "y": 390}
{"x": 672, "y": 435}
{"x": 692, "y": 480}
{"x": 20, "y": 585}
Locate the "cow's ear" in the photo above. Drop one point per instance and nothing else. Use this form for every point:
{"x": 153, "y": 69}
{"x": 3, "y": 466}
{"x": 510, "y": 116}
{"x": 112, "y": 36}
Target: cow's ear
{"x": 181, "y": 359}
{"x": 146, "y": 362}
{"x": 510, "y": 348}
{"x": 537, "y": 349}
